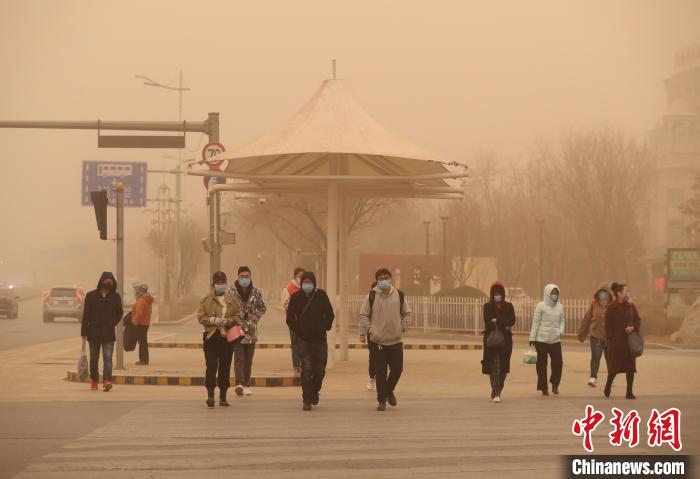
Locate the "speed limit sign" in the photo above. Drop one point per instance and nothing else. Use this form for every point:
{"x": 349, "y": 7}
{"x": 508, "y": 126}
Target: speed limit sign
{"x": 211, "y": 150}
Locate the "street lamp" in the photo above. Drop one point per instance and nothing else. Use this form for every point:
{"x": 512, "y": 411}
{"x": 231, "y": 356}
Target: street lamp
{"x": 178, "y": 175}
{"x": 445, "y": 274}
{"x": 540, "y": 227}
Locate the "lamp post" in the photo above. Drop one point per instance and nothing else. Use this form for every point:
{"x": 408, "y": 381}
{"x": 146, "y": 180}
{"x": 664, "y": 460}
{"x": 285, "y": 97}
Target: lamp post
{"x": 178, "y": 175}
{"x": 445, "y": 274}
{"x": 540, "y": 255}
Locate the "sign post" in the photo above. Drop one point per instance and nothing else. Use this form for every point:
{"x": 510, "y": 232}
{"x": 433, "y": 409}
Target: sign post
{"x": 120, "y": 270}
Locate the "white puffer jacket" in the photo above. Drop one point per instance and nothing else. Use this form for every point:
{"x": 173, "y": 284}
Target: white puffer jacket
{"x": 548, "y": 320}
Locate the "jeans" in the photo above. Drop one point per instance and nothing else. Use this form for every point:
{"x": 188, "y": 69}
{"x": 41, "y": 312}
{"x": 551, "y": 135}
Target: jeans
{"x": 107, "y": 350}
{"x": 387, "y": 359}
{"x": 313, "y": 356}
{"x": 142, "y": 338}
{"x": 243, "y": 362}
{"x": 217, "y": 354}
{"x": 296, "y": 362}
{"x": 598, "y": 348}
{"x": 554, "y": 352}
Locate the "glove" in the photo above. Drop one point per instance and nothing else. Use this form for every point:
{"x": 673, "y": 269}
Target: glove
{"x": 220, "y": 322}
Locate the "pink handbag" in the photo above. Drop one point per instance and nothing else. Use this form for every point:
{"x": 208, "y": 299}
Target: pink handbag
{"x": 234, "y": 333}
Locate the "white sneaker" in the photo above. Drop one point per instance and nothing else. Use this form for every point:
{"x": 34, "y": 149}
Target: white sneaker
{"x": 239, "y": 390}
{"x": 592, "y": 382}
{"x": 497, "y": 399}
{"x": 371, "y": 384}
{"x": 247, "y": 391}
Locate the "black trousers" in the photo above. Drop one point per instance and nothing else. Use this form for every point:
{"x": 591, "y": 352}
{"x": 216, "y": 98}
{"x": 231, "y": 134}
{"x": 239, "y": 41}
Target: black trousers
{"x": 554, "y": 352}
{"x": 218, "y": 353}
{"x": 243, "y": 362}
{"x": 296, "y": 362}
{"x": 387, "y": 359}
{"x": 372, "y": 363}
{"x": 313, "y": 356}
{"x": 142, "y": 338}
{"x": 497, "y": 375}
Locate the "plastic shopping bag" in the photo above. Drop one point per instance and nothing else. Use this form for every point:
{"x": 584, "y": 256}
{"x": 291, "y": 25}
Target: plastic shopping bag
{"x": 83, "y": 369}
{"x": 530, "y": 357}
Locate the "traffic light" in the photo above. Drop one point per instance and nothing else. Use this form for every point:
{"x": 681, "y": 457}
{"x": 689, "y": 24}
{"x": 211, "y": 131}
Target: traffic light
{"x": 99, "y": 201}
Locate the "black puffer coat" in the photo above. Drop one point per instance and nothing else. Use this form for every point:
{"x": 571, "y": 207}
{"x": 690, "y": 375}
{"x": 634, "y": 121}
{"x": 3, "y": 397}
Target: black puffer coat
{"x": 101, "y": 313}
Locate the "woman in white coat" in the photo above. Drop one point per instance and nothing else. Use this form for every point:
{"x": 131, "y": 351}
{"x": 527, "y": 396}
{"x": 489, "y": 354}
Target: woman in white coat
{"x": 547, "y": 328}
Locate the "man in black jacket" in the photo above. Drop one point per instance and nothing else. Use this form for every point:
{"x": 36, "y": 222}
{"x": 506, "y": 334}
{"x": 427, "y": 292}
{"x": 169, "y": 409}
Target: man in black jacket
{"x": 309, "y": 316}
{"x": 102, "y": 311}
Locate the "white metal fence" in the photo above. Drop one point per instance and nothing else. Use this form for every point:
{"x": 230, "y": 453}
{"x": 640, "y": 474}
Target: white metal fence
{"x": 466, "y": 314}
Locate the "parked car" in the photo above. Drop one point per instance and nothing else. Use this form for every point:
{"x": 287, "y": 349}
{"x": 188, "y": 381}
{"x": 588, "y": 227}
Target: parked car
{"x": 63, "y": 301}
{"x": 8, "y": 303}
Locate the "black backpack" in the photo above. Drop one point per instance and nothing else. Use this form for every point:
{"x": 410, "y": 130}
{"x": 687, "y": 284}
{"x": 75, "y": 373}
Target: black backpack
{"x": 373, "y": 294}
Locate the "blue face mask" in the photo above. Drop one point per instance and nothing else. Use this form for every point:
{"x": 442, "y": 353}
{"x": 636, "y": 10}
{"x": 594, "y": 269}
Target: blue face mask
{"x": 244, "y": 282}
{"x": 554, "y": 297}
{"x": 385, "y": 284}
{"x": 497, "y": 298}
{"x": 603, "y": 296}
{"x": 220, "y": 289}
{"x": 307, "y": 287}
{"x": 627, "y": 297}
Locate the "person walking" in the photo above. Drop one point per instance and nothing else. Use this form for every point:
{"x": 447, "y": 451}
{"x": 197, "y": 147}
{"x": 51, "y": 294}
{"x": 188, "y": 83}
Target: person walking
{"x": 253, "y": 308}
{"x": 621, "y": 318}
{"x": 291, "y": 288}
{"x": 310, "y": 315}
{"x": 218, "y": 312}
{"x": 102, "y": 311}
{"x": 545, "y": 335}
{"x": 499, "y": 315}
{"x": 593, "y": 327}
{"x": 372, "y": 367}
{"x": 141, "y": 320}
{"x": 385, "y": 315}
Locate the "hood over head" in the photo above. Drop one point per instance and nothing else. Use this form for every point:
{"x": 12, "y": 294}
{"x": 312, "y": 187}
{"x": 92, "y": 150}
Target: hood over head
{"x": 308, "y": 275}
{"x": 603, "y": 287}
{"x": 497, "y": 286}
{"x": 105, "y": 275}
{"x": 548, "y": 290}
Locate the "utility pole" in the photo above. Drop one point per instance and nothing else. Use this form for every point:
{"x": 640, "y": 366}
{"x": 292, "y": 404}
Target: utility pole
{"x": 445, "y": 282}
{"x": 120, "y": 270}
{"x": 540, "y": 256}
{"x": 214, "y": 201}
{"x": 427, "y": 256}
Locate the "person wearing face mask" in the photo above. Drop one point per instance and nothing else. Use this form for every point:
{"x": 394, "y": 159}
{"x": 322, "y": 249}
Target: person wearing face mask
{"x": 253, "y": 308}
{"x": 102, "y": 311}
{"x": 287, "y": 293}
{"x": 593, "y": 327}
{"x": 621, "y": 318}
{"x": 218, "y": 312}
{"x": 310, "y": 314}
{"x": 545, "y": 335}
{"x": 385, "y": 315}
{"x": 141, "y": 319}
{"x": 498, "y": 315}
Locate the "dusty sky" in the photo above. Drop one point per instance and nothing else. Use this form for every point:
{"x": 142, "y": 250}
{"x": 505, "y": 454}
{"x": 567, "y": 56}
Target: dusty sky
{"x": 456, "y": 77}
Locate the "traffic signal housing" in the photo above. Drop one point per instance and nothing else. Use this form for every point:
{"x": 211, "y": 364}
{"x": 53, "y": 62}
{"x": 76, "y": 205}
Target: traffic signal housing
{"x": 99, "y": 201}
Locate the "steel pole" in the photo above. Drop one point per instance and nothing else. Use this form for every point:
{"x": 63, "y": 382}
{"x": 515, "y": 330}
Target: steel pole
{"x": 120, "y": 270}
{"x": 332, "y": 264}
{"x": 178, "y": 205}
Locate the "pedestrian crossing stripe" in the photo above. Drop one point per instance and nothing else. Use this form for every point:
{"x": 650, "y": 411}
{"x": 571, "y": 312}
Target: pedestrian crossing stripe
{"x": 258, "y": 381}
{"x": 427, "y": 347}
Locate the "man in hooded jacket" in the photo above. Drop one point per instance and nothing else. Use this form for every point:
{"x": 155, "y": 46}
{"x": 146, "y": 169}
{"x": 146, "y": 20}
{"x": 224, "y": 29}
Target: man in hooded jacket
{"x": 310, "y": 315}
{"x": 102, "y": 311}
{"x": 593, "y": 327}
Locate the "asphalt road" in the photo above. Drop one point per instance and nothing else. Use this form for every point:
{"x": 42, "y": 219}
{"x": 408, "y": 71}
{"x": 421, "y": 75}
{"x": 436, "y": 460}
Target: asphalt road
{"x": 29, "y": 328}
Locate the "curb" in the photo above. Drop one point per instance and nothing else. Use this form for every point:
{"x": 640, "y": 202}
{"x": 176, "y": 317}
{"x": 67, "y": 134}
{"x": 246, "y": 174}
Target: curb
{"x": 158, "y": 380}
{"x": 189, "y": 317}
{"x": 427, "y": 347}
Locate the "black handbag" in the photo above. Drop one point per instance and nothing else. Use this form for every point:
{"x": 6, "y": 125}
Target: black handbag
{"x": 635, "y": 341}
{"x": 495, "y": 339}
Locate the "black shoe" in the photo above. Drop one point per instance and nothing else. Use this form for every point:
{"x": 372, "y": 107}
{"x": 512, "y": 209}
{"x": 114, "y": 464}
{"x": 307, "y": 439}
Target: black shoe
{"x": 392, "y": 399}
{"x": 307, "y": 406}
{"x": 555, "y": 389}
{"x": 606, "y": 391}
{"x": 315, "y": 400}
{"x": 381, "y": 406}
{"x": 211, "y": 402}
{"x": 141, "y": 363}
{"x": 545, "y": 392}
{"x": 238, "y": 390}
{"x": 630, "y": 396}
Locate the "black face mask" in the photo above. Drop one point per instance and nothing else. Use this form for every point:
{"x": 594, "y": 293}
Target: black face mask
{"x": 107, "y": 285}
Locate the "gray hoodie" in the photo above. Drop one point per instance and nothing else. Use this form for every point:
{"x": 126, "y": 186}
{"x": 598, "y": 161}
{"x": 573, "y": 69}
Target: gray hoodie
{"x": 389, "y": 319}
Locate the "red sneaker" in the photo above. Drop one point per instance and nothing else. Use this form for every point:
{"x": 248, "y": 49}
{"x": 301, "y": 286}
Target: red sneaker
{"x": 107, "y": 385}
{"x": 93, "y": 385}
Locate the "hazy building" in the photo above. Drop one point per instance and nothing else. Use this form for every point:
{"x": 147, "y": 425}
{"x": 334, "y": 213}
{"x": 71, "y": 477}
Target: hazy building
{"x": 677, "y": 140}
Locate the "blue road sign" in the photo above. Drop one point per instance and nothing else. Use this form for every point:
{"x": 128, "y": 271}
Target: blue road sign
{"x": 104, "y": 175}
